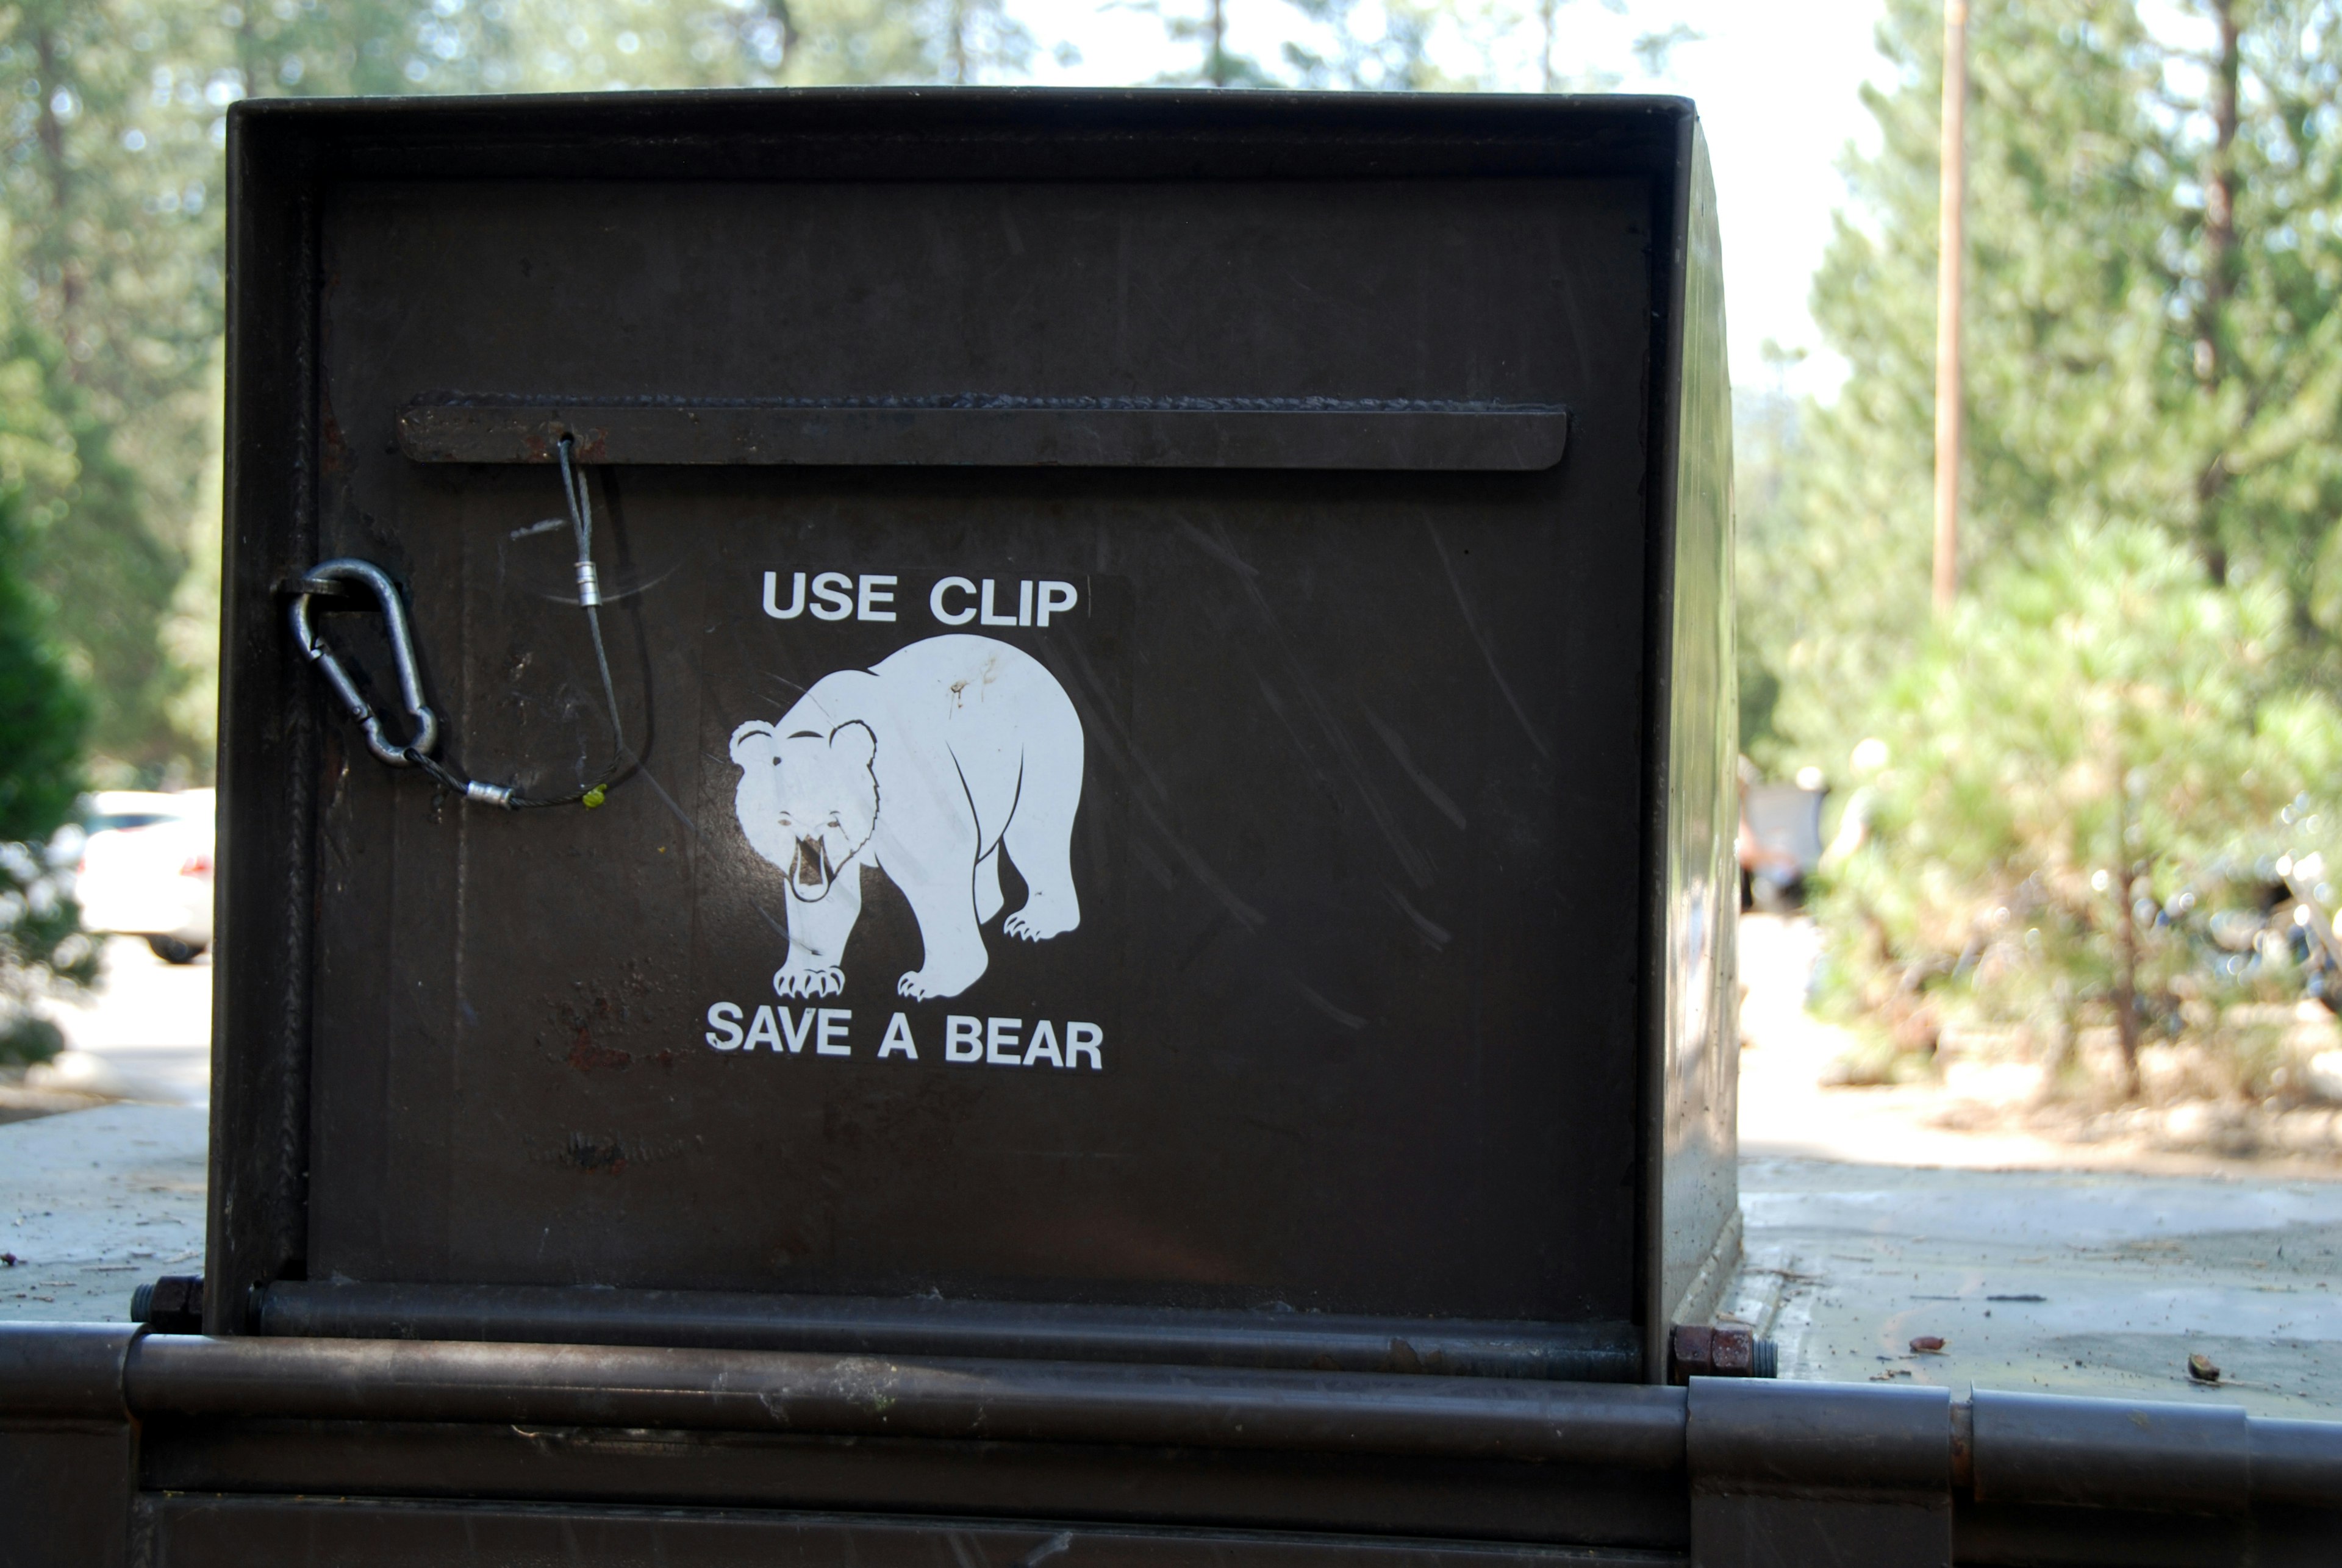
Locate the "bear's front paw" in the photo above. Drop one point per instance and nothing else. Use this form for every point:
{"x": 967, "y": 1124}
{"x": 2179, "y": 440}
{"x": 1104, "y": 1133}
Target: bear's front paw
{"x": 808, "y": 983}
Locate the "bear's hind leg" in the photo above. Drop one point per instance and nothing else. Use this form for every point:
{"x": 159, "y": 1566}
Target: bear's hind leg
{"x": 988, "y": 899}
{"x": 1040, "y": 837}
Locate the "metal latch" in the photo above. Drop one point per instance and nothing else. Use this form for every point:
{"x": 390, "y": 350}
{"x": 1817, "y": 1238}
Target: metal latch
{"x": 420, "y": 749}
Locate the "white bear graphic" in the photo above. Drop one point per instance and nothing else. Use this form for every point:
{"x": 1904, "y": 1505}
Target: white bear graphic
{"x": 923, "y": 765}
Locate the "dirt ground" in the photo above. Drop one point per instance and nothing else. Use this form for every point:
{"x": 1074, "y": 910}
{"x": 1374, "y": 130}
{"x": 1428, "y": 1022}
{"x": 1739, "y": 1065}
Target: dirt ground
{"x": 2045, "y": 1245}
{"x": 1985, "y": 1108}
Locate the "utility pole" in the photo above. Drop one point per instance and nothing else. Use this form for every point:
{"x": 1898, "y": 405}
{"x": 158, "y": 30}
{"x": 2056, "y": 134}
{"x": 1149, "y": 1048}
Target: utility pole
{"x": 1952, "y": 247}
{"x": 2212, "y": 361}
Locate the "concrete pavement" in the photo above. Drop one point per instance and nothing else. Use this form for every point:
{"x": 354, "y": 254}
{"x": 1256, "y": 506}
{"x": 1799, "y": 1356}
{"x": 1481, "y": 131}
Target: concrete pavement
{"x": 94, "y": 1203}
{"x": 2063, "y": 1282}
{"x": 145, "y": 1034}
{"x": 1871, "y": 1222}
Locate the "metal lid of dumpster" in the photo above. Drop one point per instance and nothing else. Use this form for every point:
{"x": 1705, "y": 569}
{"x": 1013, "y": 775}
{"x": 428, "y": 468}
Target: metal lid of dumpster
{"x": 1145, "y": 734}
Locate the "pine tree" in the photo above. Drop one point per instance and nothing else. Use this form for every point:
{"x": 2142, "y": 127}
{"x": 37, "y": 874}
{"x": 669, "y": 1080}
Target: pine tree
{"x": 2140, "y": 678}
{"x": 42, "y": 717}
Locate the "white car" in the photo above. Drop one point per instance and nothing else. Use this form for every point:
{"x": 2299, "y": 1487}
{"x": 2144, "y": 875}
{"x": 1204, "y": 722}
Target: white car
{"x": 145, "y": 869}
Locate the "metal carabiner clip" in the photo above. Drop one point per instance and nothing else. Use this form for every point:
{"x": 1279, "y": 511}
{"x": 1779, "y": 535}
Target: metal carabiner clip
{"x": 326, "y": 577}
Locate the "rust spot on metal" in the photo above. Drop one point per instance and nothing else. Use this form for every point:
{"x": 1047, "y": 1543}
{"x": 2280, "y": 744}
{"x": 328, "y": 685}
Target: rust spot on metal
{"x": 596, "y": 1156}
{"x": 586, "y": 1056}
{"x": 334, "y": 449}
{"x": 1726, "y": 1349}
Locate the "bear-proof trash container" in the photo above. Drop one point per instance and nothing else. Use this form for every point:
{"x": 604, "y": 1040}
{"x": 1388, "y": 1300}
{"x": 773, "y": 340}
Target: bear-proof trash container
{"x": 1020, "y": 724}
{"x": 980, "y": 829}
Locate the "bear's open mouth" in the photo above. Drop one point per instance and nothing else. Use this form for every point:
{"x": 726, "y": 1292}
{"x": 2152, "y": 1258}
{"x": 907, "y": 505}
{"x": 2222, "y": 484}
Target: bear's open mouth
{"x": 812, "y": 869}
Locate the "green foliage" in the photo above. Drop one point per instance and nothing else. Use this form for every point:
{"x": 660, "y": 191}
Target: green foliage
{"x": 2104, "y": 741}
{"x": 2140, "y": 673}
{"x": 2103, "y": 385}
{"x": 2061, "y": 335}
{"x": 41, "y": 711}
{"x": 41, "y": 718}
{"x": 113, "y": 190}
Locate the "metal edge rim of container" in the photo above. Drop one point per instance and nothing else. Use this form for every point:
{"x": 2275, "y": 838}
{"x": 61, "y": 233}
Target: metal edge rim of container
{"x": 1730, "y": 1435}
{"x": 1587, "y": 1352}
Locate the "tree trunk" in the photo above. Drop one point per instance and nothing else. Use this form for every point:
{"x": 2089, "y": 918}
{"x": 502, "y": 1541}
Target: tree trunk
{"x": 247, "y": 54}
{"x": 2220, "y": 276}
{"x": 959, "y": 42}
{"x": 1219, "y": 61}
{"x": 51, "y": 130}
{"x": 1951, "y": 248}
{"x": 53, "y": 251}
{"x": 2067, "y": 1048}
{"x": 1549, "y": 14}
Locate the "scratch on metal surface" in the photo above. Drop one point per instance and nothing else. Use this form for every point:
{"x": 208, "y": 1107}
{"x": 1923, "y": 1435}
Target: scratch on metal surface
{"x": 1100, "y": 726}
{"x": 1430, "y": 930}
{"x": 1220, "y": 550}
{"x": 651, "y": 779}
{"x": 1398, "y": 744}
{"x": 1301, "y": 748}
{"x": 779, "y": 930}
{"x": 1089, "y": 697}
{"x": 1152, "y": 863}
{"x": 1197, "y": 867}
{"x": 1346, "y": 1020}
{"x": 1061, "y": 1541}
{"x": 1488, "y": 650}
{"x": 1409, "y": 855}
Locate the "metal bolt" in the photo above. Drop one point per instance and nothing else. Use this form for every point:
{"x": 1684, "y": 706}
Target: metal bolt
{"x": 1698, "y": 1350}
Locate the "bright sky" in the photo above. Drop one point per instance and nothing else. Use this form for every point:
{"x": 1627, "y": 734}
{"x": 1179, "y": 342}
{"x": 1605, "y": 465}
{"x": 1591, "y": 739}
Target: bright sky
{"x": 1778, "y": 86}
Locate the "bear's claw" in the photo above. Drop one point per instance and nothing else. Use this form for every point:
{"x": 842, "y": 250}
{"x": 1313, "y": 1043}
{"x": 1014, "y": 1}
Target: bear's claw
{"x": 808, "y": 983}
{"x": 1027, "y": 925}
{"x": 919, "y": 987}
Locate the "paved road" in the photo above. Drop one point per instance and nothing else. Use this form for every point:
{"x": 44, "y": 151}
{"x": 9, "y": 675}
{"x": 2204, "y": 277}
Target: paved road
{"x": 92, "y": 1203}
{"x": 1869, "y": 1224}
{"x": 146, "y": 1034}
{"x": 2066, "y": 1282}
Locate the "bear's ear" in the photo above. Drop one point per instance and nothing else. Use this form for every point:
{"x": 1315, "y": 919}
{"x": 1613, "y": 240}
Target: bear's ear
{"x": 853, "y": 740}
{"x": 753, "y": 742}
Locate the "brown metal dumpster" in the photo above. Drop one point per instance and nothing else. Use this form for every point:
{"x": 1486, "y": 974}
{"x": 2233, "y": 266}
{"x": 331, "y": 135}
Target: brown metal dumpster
{"x": 988, "y": 827}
